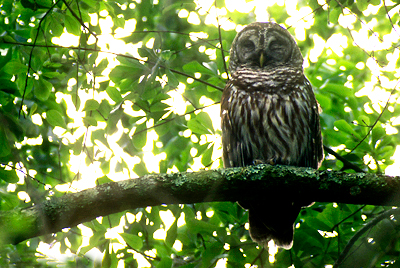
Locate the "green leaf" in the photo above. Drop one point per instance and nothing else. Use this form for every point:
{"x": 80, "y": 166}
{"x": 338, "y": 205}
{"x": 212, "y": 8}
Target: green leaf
{"x": 75, "y": 238}
{"x": 339, "y": 90}
{"x": 166, "y": 262}
{"x": 126, "y": 85}
{"x": 72, "y": 24}
{"x": 206, "y": 156}
{"x": 324, "y": 101}
{"x": 318, "y": 224}
{"x": 104, "y": 179}
{"x": 201, "y": 124}
{"x": 113, "y": 119}
{"x": 100, "y": 67}
{"x": 212, "y": 66}
{"x": 91, "y": 105}
{"x": 196, "y": 67}
{"x": 133, "y": 241}
{"x": 4, "y": 40}
{"x": 211, "y": 253}
{"x": 15, "y": 67}
{"x": 8, "y": 201}
{"x": 139, "y": 138}
{"x": 55, "y": 119}
{"x": 77, "y": 147}
{"x": 158, "y": 110}
{"x": 4, "y": 144}
{"x": 107, "y": 259}
{"x": 90, "y": 121}
{"x": 344, "y": 126}
{"x": 171, "y": 235}
{"x": 198, "y": 226}
{"x": 33, "y": 109}
{"x": 196, "y": 127}
{"x": 44, "y": 3}
{"x": 8, "y": 175}
{"x": 378, "y": 132}
{"x": 362, "y": 5}
{"x": 172, "y": 80}
{"x": 54, "y": 23}
{"x": 52, "y": 75}
{"x": 76, "y": 100}
{"x": 42, "y": 89}
{"x": 100, "y": 136}
{"x": 121, "y": 72}
{"x": 334, "y": 14}
{"x": 104, "y": 108}
{"x": 114, "y": 94}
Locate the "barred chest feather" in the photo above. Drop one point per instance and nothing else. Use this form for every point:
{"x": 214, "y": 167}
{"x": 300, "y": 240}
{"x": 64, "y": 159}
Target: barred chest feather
{"x": 266, "y": 116}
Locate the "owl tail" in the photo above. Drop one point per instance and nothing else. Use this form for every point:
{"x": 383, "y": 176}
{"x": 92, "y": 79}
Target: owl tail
{"x": 272, "y": 222}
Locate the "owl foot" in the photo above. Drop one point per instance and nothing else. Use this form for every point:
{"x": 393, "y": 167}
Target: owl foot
{"x": 258, "y": 162}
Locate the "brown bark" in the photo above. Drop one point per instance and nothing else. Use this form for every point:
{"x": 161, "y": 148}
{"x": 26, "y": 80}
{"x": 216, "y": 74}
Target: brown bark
{"x": 212, "y": 185}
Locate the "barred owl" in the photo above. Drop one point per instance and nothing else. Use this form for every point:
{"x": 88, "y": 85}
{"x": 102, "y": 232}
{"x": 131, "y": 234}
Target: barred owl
{"x": 269, "y": 115}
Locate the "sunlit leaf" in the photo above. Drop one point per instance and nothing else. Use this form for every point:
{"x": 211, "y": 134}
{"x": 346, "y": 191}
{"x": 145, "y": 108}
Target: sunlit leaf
{"x": 114, "y": 94}
{"x": 91, "y": 105}
{"x": 55, "y": 118}
{"x": 171, "y": 234}
{"x": 201, "y": 124}
{"x": 140, "y": 136}
{"x": 89, "y": 121}
{"x": 132, "y": 240}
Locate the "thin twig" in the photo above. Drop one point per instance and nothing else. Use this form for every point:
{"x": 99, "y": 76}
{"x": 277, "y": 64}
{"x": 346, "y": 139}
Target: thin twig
{"x": 220, "y": 39}
{"x": 258, "y": 257}
{"x": 376, "y": 121}
{"x": 169, "y": 120}
{"x": 390, "y": 19}
{"x": 345, "y": 162}
{"x": 129, "y": 57}
{"x": 31, "y": 54}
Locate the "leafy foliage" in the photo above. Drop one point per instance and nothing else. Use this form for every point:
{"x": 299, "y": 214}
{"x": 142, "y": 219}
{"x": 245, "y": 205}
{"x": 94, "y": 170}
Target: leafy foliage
{"x": 93, "y": 91}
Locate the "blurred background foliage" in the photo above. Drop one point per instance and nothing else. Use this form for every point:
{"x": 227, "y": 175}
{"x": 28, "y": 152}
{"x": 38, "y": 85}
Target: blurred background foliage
{"x": 98, "y": 91}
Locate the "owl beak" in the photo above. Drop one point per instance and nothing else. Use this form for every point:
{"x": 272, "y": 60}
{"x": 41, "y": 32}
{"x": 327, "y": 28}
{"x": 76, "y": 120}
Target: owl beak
{"x": 262, "y": 60}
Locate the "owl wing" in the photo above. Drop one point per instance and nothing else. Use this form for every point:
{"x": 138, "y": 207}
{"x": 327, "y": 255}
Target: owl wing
{"x": 233, "y": 148}
{"x": 314, "y": 155}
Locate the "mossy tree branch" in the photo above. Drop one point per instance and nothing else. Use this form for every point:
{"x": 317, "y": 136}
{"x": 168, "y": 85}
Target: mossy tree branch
{"x": 204, "y": 186}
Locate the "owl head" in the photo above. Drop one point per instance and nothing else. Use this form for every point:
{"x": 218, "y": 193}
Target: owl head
{"x": 264, "y": 45}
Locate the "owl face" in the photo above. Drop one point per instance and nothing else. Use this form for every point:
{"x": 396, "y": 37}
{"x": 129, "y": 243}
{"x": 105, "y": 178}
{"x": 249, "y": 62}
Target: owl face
{"x": 264, "y": 46}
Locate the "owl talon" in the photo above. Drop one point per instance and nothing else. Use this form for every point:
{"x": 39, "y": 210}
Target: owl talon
{"x": 258, "y": 162}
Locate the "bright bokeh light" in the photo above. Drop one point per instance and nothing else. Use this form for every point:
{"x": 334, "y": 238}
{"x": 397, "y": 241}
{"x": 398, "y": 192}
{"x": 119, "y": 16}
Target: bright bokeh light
{"x": 221, "y": 263}
{"x": 272, "y": 250}
{"x": 177, "y": 245}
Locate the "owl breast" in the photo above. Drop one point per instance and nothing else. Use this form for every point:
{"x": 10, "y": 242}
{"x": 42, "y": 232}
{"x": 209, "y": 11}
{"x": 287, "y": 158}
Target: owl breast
{"x": 261, "y": 113}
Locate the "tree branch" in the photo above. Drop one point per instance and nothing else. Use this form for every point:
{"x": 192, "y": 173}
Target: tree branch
{"x": 230, "y": 184}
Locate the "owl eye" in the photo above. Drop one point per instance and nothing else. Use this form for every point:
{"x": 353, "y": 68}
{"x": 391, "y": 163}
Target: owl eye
{"x": 248, "y": 45}
{"x": 278, "y": 50}
{"x": 276, "y": 46}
